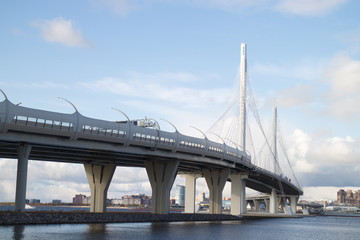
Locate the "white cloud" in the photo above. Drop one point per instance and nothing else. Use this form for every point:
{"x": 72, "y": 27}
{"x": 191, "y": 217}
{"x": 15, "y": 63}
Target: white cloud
{"x": 7, "y": 190}
{"x": 7, "y": 179}
{"x": 351, "y": 38}
{"x": 56, "y": 171}
{"x": 47, "y": 84}
{"x": 325, "y": 88}
{"x": 342, "y": 76}
{"x": 230, "y": 5}
{"x": 126, "y": 175}
{"x": 169, "y": 96}
{"x": 61, "y": 31}
{"x": 336, "y": 150}
{"x": 295, "y": 7}
{"x": 304, "y": 69}
{"x": 155, "y": 88}
{"x": 322, "y": 160}
{"x": 294, "y": 96}
{"x": 298, "y": 151}
{"x": 308, "y": 7}
{"x": 120, "y": 7}
{"x": 344, "y": 108}
{"x": 268, "y": 69}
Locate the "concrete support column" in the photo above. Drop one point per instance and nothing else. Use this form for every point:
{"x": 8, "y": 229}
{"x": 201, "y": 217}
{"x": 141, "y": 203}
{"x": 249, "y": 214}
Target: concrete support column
{"x": 267, "y": 205}
{"x": 162, "y": 176}
{"x": 238, "y": 194}
{"x": 273, "y": 202}
{"x": 293, "y": 202}
{"x": 216, "y": 180}
{"x": 23, "y": 152}
{"x": 256, "y": 205}
{"x": 281, "y": 203}
{"x": 190, "y": 189}
{"x": 99, "y": 178}
{"x": 252, "y": 205}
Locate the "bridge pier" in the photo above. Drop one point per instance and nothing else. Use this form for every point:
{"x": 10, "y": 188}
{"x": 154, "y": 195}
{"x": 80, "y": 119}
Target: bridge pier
{"x": 252, "y": 204}
{"x": 281, "y": 203}
{"x": 293, "y": 202}
{"x": 23, "y": 152}
{"x": 216, "y": 180}
{"x": 190, "y": 189}
{"x": 238, "y": 194}
{"x": 273, "y": 208}
{"x": 99, "y": 178}
{"x": 267, "y": 205}
{"x": 162, "y": 176}
{"x": 257, "y": 205}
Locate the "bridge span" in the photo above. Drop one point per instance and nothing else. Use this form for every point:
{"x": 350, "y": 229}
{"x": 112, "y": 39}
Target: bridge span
{"x": 100, "y": 145}
{"x": 27, "y": 133}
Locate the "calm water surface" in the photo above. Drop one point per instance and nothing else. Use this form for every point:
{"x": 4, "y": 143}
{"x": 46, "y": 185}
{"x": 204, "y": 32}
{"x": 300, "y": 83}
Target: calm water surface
{"x": 330, "y": 228}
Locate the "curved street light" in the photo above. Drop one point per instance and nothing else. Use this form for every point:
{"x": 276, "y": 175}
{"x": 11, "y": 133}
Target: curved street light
{"x": 170, "y": 124}
{"x": 129, "y": 123}
{"x": 176, "y": 133}
{"x": 69, "y": 103}
{"x": 206, "y": 139}
{"x": 3, "y": 93}
{"x": 224, "y": 144}
{"x": 77, "y": 114}
{"x": 199, "y": 131}
{"x": 218, "y": 137}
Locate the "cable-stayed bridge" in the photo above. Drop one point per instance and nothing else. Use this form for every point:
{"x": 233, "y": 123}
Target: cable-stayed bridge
{"x": 100, "y": 145}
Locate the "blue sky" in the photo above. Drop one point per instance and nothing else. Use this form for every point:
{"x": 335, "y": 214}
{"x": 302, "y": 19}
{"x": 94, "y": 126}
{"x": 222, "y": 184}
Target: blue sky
{"x": 179, "y": 60}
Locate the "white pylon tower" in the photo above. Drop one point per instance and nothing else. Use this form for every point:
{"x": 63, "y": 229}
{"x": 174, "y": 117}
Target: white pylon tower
{"x": 274, "y": 140}
{"x": 243, "y": 77}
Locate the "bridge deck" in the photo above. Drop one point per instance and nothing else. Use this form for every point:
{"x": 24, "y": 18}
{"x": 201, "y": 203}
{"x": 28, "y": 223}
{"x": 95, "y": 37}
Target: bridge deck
{"x": 75, "y": 138}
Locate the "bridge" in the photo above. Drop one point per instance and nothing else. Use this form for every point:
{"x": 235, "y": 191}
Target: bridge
{"x": 101, "y": 146}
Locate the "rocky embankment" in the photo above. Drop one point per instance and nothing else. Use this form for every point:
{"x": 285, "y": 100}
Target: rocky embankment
{"x": 17, "y": 218}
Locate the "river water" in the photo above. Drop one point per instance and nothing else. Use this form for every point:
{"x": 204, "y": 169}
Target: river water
{"x": 308, "y": 228}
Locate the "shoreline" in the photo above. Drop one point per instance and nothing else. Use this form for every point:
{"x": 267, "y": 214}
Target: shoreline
{"x": 33, "y": 218}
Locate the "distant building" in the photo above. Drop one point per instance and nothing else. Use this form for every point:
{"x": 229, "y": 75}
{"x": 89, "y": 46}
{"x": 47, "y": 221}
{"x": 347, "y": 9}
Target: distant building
{"x": 341, "y": 196}
{"x": 172, "y": 201}
{"x": 34, "y": 201}
{"x": 180, "y": 195}
{"x": 348, "y": 197}
{"x": 81, "y": 199}
{"x": 201, "y": 198}
{"x": 226, "y": 203}
{"x": 56, "y": 201}
{"x": 116, "y": 201}
{"x": 132, "y": 200}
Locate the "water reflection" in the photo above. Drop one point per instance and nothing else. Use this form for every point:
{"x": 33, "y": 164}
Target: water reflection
{"x": 96, "y": 228}
{"x": 97, "y": 231}
{"x": 160, "y": 230}
{"x": 18, "y": 232}
{"x": 317, "y": 228}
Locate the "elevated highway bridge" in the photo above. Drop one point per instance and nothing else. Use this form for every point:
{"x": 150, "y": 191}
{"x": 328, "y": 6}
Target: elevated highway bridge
{"x": 27, "y": 133}
{"x": 49, "y": 136}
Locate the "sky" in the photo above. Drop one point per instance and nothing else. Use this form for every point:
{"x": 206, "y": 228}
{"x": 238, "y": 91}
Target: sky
{"x": 179, "y": 60}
